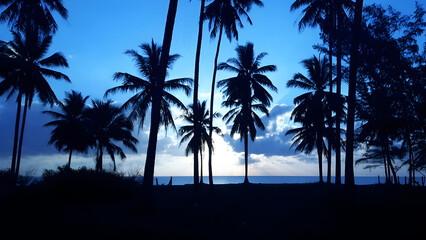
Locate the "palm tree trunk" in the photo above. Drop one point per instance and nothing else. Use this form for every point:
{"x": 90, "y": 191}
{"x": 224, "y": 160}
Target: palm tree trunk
{"x": 339, "y": 92}
{"x": 212, "y": 102}
{"x": 201, "y": 167}
{"x": 24, "y": 116}
{"x": 156, "y": 101}
{"x": 15, "y": 138}
{"x": 69, "y": 159}
{"x": 330, "y": 62}
{"x": 385, "y": 165}
{"x": 319, "y": 151}
{"x": 246, "y": 181}
{"x": 195, "y": 97}
{"x": 349, "y": 160}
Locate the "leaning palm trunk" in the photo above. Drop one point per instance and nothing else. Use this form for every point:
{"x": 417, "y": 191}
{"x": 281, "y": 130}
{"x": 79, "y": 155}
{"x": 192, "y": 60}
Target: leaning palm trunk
{"x": 24, "y": 117}
{"x": 155, "y": 109}
{"x": 195, "y": 97}
{"x": 330, "y": 62}
{"x": 319, "y": 151}
{"x": 15, "y": 138}
{"x": 349, "y": 161}
{"x": 211, "y": 104}
{"x": 69, "y": 159}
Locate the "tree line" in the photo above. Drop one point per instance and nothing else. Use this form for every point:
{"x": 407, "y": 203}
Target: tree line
{"x": 376, "y": 52}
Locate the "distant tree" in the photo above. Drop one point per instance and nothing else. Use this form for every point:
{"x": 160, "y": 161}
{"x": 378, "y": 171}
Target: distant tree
{"x": 108, "y": 124}
{"x": 70, "y": 131}
{"x": 188, "y": 131}
{"x": 25, "y": 76}
{"x": 32, "y": 15}
{"x": 148, "y": 89}
{"x": 246, "y": 94}
{"x": 312, "y": 107}
{"x": 224, "y": 15}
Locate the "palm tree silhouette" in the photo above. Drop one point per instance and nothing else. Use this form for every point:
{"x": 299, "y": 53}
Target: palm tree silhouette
{"x": 71, "y": 132}
{"x": 246, "y": 94}
{"x": 188, "y": 131}
{"x": 108, "y": 124}
{"x": 26, "y": 77}
{"x": 148, "y": 89}
{"x": 195, "y": 95}
{"x": 324, "y": 14}
{"x": 225, "y": 15}
{"x": 311, "y": 108}
{"x": 29, "y": 15}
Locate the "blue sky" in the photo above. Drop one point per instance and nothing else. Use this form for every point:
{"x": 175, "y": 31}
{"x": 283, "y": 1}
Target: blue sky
{"x": 97, "y": 33}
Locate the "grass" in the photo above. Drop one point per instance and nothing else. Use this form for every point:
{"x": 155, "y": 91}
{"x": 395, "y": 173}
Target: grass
{"x": 257, "y": 211}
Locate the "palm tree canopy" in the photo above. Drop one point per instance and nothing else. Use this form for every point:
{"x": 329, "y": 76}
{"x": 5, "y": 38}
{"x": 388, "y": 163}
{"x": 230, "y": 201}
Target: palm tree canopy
{"x": 20, "y": 14}
{"x": 246, "y": 92}
{"x": 71, "y": 127}
{"x": 27, "y": 68}
{"x": 187, "y": 131}
{"x": 108, "y": 125}
{"x": 148, "y": 65}
{"x": 227, "y": 14}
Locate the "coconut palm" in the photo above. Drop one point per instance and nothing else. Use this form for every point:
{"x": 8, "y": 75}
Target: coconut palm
{"x": 246, "y": 94}
{"x": 28, "y": 15}
{"x": 324, "y": 14}
{"x": 311, "y": 108}
{"x": 225, "y": 15}
{"x": 148, "y": 90}
{"x": 26, "y": 76}
{"x": 71, "y": 132}
{"x": 188, "y": 131}
{"x": 107, "y": 125}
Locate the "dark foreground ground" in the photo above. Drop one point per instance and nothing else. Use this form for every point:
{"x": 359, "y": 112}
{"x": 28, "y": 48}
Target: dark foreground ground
{"x": 287, "y": 211}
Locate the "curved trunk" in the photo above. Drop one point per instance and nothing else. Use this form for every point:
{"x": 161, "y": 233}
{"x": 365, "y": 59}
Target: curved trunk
{"x": 349, "y": 161}
{"x": 246, "y": 181}
{"x": 155, "y": 108}
{"x": 15, "y": 138}
{"x": 24, "y": 117}
{"x": 195, "y": 96}
{"x": 211, "y": 104}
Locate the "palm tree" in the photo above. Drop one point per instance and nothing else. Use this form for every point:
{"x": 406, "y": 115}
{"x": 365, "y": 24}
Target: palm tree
{"x": 196, "y": 81}
{"x": 148, "y": 90}
{"x": 324, "y": 14}
{"x": 246, "y": 94}
{"x": 108, "y": 124}
{"x": 29, "y": 15}
{"x": 311, "y": 108}
{"x": 224, "y": 15}
{"x": 188, "y": 131}
{"x": 71, "y": 132}
{"x": 26, "y": 77}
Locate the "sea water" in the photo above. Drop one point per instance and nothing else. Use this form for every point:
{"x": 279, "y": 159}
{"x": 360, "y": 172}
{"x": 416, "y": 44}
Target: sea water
{"x": 183, "y": 180}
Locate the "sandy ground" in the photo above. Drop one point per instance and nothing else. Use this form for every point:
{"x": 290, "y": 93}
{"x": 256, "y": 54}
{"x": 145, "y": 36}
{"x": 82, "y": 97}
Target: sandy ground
{"x": 256, "y": 211}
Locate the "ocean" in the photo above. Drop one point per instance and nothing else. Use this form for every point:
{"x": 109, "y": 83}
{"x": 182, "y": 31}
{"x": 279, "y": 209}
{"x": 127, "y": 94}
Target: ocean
{"x": 183, "y": 180}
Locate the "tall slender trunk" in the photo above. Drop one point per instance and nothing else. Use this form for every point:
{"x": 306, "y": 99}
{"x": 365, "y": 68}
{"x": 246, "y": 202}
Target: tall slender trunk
{"x": 201, "y": 167}
{"x": 100, "y": 159}
{"x": 69, "y": 159}
{"x": 330, "y": 65}
{"x": 349, "y": 160}
{"x": 24, "y": 117}
{"x": 15, "y": 138}
{"x": 385, "y": 166}
{"x": 246, "y": 181}
{"x": 212, "y": 103}
{"x": 410, "y": 160}
{"x": 319, "y": 151}
{"x": 339, "y": 92}
{"x": 156, "y": 101}
{"x": 195, "y": 95}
